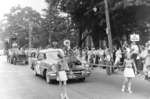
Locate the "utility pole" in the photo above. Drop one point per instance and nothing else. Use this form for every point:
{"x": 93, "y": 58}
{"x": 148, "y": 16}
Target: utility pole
{"x": 30, "y": 35}
{"x": 30, "y": 41}
{"x": 108, "y": 29}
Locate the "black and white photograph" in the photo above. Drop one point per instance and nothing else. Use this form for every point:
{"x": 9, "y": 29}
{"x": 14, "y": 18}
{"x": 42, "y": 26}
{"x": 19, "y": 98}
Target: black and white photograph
{"x": 75, "y": 49}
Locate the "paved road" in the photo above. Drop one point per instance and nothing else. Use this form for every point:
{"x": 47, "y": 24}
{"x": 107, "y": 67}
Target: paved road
{"x": 18, "y": 82}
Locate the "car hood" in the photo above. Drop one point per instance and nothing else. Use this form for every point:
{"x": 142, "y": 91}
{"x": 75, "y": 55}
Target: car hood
{"x": 77, "y": 67}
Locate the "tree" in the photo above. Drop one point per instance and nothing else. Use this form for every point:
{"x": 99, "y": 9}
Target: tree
{"x": 58, "y": 27}
{"x": 89, "y": 15}
{"x": 18, "y": 24}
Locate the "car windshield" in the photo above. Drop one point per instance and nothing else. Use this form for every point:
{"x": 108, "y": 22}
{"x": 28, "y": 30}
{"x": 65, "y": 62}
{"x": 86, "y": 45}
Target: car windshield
{"x": 74, "y": 60}
{"x": 52, "y": 57}
{"x": 42, "y": 56}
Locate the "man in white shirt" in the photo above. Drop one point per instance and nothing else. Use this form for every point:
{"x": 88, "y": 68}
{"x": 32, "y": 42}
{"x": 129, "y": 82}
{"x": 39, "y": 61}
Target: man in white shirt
{"x": 134, "y": 51}
{"x": 134, "y": 48}
{"x": 118, "y": 56}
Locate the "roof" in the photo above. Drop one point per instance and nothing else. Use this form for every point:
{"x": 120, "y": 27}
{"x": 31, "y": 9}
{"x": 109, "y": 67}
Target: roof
{"x": 51, "y": 55}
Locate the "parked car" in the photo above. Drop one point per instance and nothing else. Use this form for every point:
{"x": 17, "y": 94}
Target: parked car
{"x": 47, "y": 61}
{"x": 14, "y": 57}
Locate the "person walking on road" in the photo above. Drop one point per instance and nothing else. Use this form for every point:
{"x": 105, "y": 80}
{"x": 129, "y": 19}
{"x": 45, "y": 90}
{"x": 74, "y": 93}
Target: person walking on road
{"x": 129, "y": 73}
{"x": 62, "y": 67}
{"x": 147, "y": 64}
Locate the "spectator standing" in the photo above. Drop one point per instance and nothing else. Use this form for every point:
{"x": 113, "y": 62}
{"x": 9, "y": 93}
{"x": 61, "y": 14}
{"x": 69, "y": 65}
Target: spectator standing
{"x": 118, "y": 56}
{"x": 134, "y": 51}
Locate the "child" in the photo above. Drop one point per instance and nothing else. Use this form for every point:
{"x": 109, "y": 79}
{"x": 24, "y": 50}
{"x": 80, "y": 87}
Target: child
{"x": 128, "y": 73}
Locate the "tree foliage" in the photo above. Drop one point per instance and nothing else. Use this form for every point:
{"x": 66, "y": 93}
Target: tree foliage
{"x": 18, "y": 21}
{"x": 125, "y": 16}
{"x": 58, "y": 27}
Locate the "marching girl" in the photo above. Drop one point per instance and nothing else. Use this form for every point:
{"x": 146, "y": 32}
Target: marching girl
{"x": 129, "y": 73}
{"x": 62, "y": 67}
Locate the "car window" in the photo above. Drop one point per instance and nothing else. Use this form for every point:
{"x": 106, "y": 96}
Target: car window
{"x": 33, "y": 55}
{"x": 42, "y": 56}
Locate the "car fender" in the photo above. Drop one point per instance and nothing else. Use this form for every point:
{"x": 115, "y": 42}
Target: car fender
{"x": 37, "y": 68}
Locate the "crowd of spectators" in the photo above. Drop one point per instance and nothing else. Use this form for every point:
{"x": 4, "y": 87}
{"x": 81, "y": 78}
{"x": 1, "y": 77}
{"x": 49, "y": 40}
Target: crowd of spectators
{"x": 139, "y": 53}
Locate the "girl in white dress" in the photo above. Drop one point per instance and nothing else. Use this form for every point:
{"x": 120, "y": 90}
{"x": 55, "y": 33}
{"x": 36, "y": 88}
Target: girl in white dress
{"x": 62, "y": 67}
{"x": 129, "y": 73}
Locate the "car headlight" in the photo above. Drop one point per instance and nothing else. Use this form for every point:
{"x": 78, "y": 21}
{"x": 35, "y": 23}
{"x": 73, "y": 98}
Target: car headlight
{"x": 86, "y": 65}
{"x": 53, "y": 67}
{"x": 71, "y": 73}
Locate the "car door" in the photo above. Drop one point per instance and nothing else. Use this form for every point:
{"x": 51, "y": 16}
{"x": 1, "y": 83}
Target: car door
{"x": 39, "y": 63}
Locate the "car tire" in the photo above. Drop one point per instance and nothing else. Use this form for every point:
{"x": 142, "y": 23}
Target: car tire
{"x": 14, "y": 61}
{"x": 11, "y": 61}
{"x": 82, "y": 79}
{"x": 26, "y": 62}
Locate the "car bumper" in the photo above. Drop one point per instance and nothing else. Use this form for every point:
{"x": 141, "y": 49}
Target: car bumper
{"x": 53, "y": 76}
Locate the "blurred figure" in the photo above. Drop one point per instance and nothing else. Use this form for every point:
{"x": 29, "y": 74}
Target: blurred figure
{"x": 129, "y": 73}
{"x": 62, "y": 67}
{"x": 146, "y": 68}
{"x": 118, "y": 56}
{"x": 134, "y": 52}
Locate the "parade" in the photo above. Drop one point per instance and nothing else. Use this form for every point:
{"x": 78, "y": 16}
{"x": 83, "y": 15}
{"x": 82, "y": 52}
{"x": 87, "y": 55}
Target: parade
{"x": 75, "y": 49}
{"x": 62, "y": 64}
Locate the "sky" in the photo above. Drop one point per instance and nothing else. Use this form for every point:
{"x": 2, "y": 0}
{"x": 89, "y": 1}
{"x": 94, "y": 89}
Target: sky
{"x": 6, "y": 5}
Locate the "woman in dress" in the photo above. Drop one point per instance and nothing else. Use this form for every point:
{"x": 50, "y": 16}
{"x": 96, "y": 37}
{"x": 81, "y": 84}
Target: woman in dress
{"x": 129, "y": 73}
{"x": 62, "y": 67}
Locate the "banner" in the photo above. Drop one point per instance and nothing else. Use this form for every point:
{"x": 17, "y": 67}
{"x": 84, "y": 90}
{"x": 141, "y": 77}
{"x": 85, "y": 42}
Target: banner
{"x": 134, "y": 37}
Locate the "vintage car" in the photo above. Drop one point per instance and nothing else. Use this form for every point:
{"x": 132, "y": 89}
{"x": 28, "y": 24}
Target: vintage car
{"x": 47, "y": 61}
{"x": 14, "y": 57}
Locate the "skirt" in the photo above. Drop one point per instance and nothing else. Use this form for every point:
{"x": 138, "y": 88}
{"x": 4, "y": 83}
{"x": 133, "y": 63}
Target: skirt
{"x": 148, "y": 74}
{"x": 62, "y": 76}
{"x": 129, "y": 72}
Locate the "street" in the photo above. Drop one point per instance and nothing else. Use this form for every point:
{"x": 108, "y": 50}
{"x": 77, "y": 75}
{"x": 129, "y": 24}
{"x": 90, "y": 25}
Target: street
{"x": 19, "y": 82}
